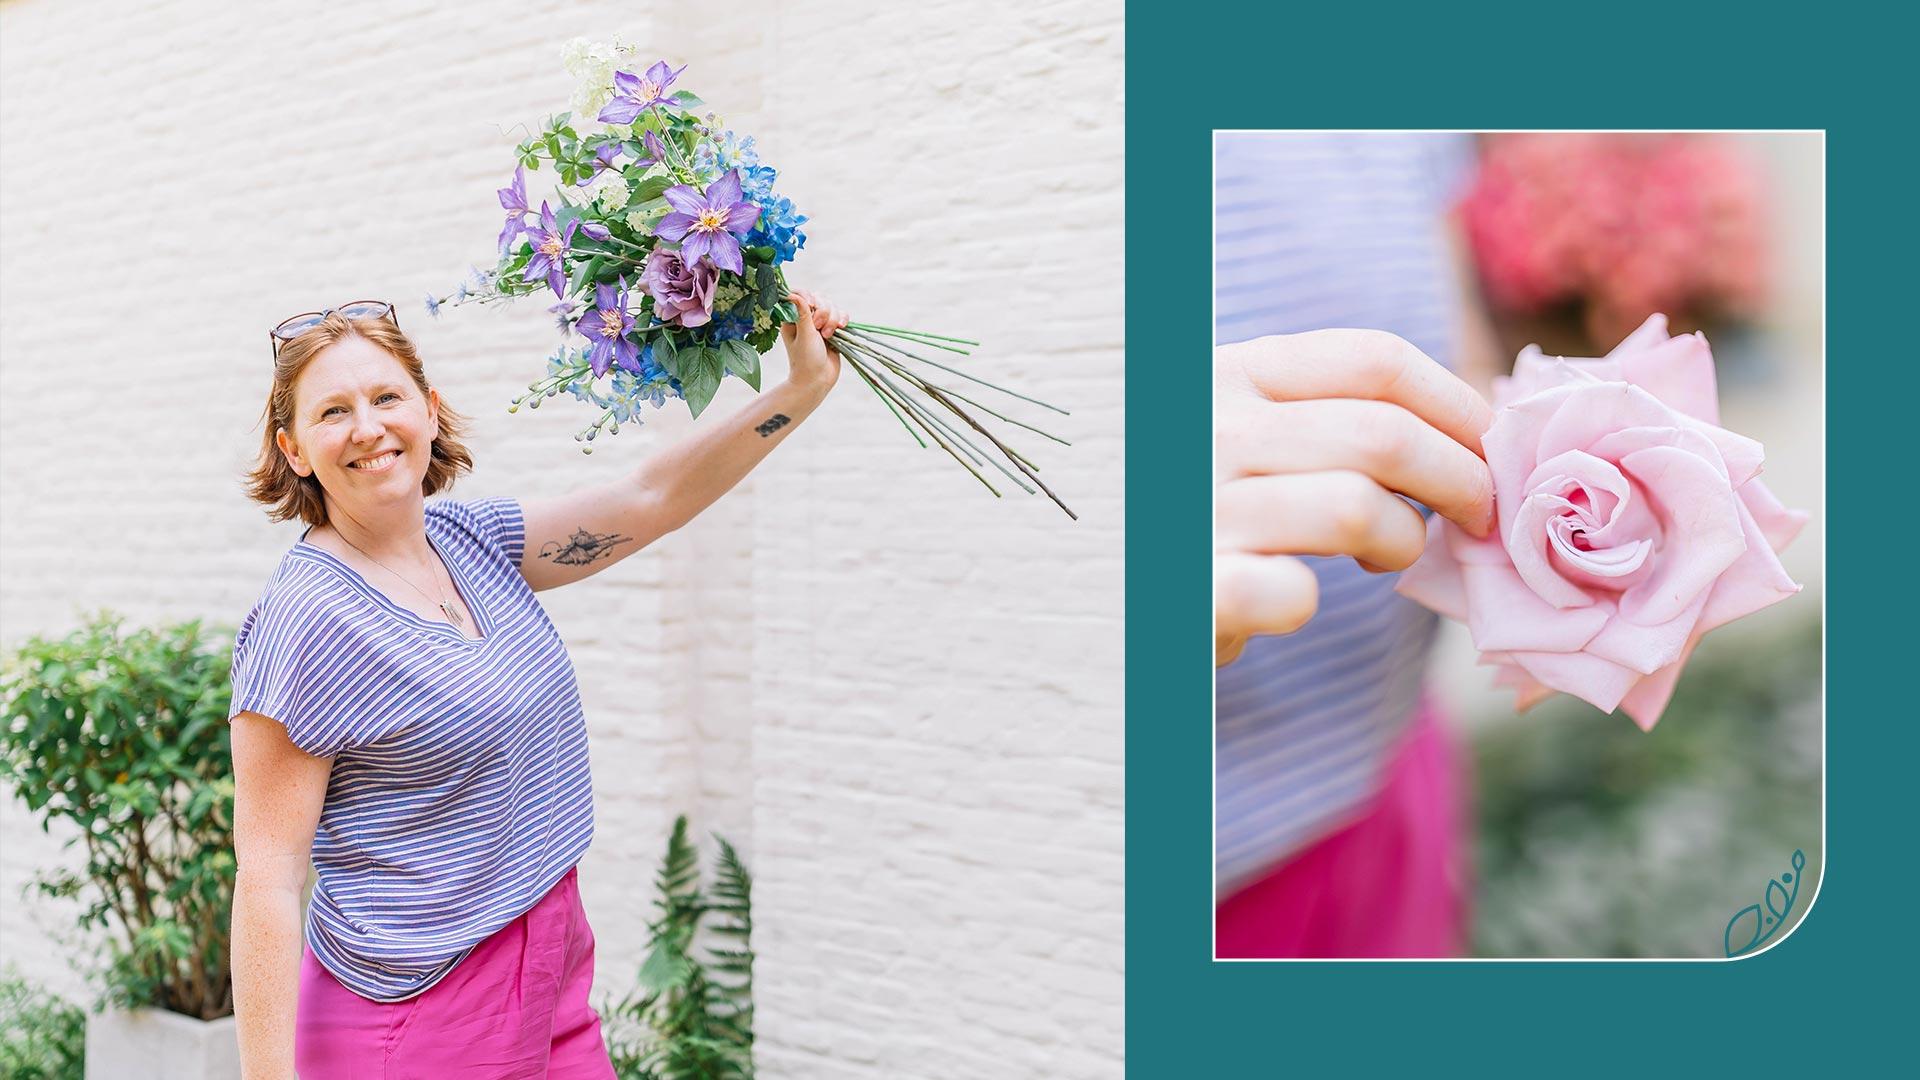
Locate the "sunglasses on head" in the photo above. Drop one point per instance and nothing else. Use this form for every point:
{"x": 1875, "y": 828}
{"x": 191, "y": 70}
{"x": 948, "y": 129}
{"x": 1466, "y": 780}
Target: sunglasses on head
{"x": 294, "y": 325}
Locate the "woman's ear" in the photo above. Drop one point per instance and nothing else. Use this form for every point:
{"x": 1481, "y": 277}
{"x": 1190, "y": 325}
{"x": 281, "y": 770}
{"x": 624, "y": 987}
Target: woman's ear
{"x": 292, "y": 453}
{"x": 433, "y": 412}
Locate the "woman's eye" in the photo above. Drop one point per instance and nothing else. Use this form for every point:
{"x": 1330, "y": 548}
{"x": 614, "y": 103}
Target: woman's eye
{"x": 376, "y": 401}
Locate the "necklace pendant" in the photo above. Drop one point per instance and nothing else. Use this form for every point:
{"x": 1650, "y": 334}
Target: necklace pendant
{"x": 452, "y": 615}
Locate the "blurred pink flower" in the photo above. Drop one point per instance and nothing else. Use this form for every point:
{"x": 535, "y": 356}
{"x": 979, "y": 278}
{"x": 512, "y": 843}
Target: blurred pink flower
{"x": 1629, "y": 525}
{"x": 1627, "y": 224}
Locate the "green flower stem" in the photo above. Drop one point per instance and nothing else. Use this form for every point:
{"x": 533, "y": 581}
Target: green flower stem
{"x": 951, "y": 392}
{"x": 956, "y": 371}
{"x": 539, "y": 388}
{"x": 942, "y": 443}
{"x": 1011, "y": 456}
{"x": 681, "y": 169}
{"x": 1020, "y": 462}
{"x": 911, "y": 333}
{"x": 919, "y": 414}
{"x": 928, "y": 389}
{"x": 927, "y": 416}
{"x": 860, "y": 370}
{"x": 869, "y": 332}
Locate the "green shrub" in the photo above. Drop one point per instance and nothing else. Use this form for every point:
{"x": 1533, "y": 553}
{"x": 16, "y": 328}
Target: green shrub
{"x": 41, "y": 1036}
{"x": 693, "y": 1018}
{"x": 125, "y": 736}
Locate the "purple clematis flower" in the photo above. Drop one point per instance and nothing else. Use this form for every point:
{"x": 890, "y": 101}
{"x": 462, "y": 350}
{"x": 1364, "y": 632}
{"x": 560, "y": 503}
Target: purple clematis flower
{"x": 602, "y": 161}
{"x": 606, "y": 327}
{"x": 706, "y": 224}
{"x": 550, "y": 244}
{"x": 513, "y": 199}
{"x": 633, "y": 95}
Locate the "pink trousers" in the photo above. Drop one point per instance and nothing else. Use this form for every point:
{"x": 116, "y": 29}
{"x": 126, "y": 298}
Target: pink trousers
{"x": 1392, "y": 883}
{"x": 516, "y": 1007}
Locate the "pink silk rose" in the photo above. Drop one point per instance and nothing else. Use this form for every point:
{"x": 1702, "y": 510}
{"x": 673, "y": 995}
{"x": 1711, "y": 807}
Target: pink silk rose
{"x": 1630, "y": 524}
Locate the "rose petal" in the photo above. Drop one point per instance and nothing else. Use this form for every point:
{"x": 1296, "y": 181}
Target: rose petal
{"x": 1678, "y": 371}
{"x": 1598, "y": 682}
{"x": 1536, "y": 534}
{"x": 1651, "y": 333}
{"x": 1531, "y": 540}
{"x": 1511, "y": 443}
{"x": 1649, "y": 697}
{"x": 1779, "y": 524}
{"x": 1647, "y": 648}
{"x": 1503, "y": 614}
{"x": 1703, "y": 535}
{"x": 1433, "y": 580}
{"x": 1526, "y": 691}
{"x": 1754, "y": 581}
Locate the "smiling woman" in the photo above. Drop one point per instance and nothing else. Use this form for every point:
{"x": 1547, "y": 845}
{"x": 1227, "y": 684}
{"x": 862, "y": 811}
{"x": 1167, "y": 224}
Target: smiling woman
{"x": 405, "y": 716}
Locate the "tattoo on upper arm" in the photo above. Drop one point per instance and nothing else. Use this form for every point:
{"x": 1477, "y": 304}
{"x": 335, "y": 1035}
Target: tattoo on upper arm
{"x": 582, "y": 548}
{"x": 773, "y": 423}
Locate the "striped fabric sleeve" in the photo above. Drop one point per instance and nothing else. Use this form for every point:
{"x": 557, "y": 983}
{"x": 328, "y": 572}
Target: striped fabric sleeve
{"x": 278, "y": 672}
{"x": 501, "y": 525}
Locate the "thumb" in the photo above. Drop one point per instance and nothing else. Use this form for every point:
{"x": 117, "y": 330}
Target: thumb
{"x": 803, "y": 322}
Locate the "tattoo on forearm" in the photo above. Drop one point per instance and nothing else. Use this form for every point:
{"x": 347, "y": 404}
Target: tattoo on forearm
{"x": 773, "y": 423}
{"x": 582, "y": 548}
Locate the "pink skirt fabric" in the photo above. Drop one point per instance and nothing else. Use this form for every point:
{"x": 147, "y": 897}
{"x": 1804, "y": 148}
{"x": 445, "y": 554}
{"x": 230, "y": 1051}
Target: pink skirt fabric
{"x": 515, "y": 1007}
{"x": 1393, "y": 883}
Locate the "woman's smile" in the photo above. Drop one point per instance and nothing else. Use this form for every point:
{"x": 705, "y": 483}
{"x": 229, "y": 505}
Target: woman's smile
{"x": 380, "y": 464}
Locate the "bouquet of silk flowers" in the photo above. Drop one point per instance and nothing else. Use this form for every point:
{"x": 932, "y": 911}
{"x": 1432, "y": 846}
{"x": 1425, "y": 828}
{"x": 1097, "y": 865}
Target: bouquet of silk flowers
{"x": 663, "y": 246}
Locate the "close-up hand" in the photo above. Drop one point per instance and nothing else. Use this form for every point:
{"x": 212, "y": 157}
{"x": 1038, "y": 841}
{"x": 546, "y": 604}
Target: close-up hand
{"x": 809, "y": 359}
{"x": 1316, "y": 437}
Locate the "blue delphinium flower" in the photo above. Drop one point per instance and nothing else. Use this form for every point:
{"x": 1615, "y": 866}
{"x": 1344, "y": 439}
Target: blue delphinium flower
{"x": 757, "y": 181}
{"x": 729, "y": 151}
{"x": 732, "y": 326}
{"x": 779, "y": 229}
{"x": 564, "y": 358}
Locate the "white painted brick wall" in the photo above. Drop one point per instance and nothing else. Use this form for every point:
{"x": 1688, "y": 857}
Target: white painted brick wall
{"x": 899, "y": 696}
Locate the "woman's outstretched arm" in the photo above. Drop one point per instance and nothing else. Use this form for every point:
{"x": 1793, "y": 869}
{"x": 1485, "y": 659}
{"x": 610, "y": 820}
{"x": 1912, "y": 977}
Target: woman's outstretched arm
{"x": 573, "y": 536}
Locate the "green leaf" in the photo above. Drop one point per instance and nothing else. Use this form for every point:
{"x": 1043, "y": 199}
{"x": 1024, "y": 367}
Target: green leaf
{"x": 651, "y": 188}
{"x": 688, "y": 99}
{"x": 666, "y": 349}
{"x": 665, "y": 968}
{"x": 742, "y": 360}
{"x": 584, "y": 274}
{"x": 699, "y": 370}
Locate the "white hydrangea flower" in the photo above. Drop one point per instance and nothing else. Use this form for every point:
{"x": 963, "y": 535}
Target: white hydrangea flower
{"x": 726, "y": 294}
{"x": 573, "y": 56}
{"x": 613, "y": 193}
{"x": 592, "y": 64}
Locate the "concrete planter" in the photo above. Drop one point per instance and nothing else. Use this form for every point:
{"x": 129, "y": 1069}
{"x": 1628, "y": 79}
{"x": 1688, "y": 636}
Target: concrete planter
{"x": 159, "y": 1045}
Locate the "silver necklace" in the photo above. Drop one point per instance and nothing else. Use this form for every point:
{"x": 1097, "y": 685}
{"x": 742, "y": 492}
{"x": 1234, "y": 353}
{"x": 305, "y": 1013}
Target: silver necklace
{"x": 445, "y": 604}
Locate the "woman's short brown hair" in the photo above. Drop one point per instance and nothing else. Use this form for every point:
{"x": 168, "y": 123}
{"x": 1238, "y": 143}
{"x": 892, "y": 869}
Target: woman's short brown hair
{"x": 289, "y": 495}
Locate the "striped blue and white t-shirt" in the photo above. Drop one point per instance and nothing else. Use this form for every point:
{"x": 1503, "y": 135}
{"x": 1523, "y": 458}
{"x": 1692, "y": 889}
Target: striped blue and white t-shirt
{"x": 460, "y": 790}
{"x": 1315, "y": 230}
